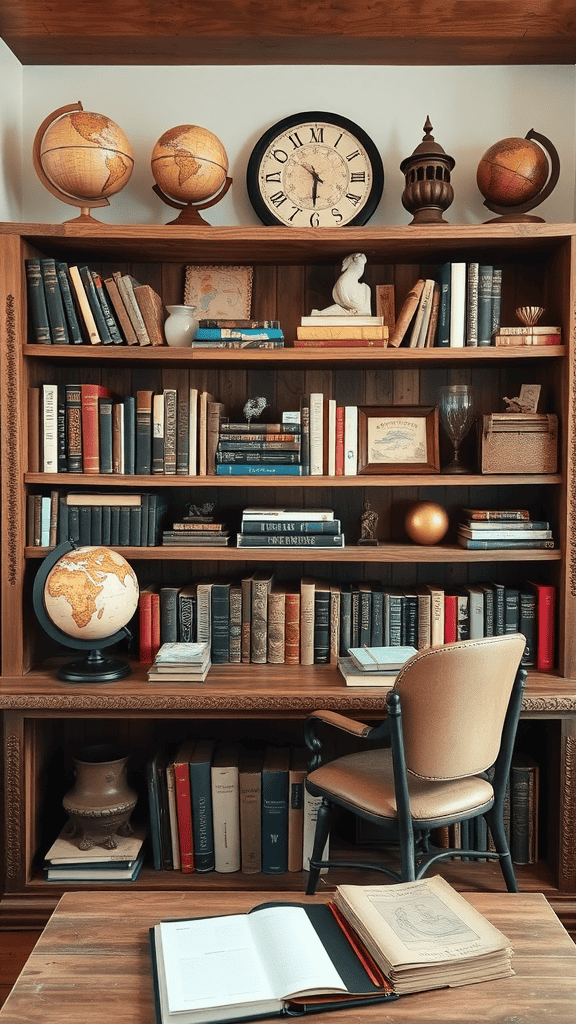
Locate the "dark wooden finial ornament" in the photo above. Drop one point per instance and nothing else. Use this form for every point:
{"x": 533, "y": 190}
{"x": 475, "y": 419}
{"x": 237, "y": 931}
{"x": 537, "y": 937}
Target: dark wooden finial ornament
{"x": 428, "y": 192}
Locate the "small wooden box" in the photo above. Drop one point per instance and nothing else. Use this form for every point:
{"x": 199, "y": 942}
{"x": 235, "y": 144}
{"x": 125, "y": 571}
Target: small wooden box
{"x": 512, "y": 442}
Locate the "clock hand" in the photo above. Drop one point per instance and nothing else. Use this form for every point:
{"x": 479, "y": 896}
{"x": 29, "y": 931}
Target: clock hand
{"x": 315, "y": 181}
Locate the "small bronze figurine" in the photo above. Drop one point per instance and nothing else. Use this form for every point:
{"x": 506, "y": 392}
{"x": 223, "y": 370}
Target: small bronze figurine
{"x": 368, "y": 523}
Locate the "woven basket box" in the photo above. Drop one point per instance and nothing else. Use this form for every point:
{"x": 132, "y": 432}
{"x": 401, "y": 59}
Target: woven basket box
{"x": 517, "y": 443}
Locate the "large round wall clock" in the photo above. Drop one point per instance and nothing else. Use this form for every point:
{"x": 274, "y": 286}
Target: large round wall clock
{"x": 315, "y": 169}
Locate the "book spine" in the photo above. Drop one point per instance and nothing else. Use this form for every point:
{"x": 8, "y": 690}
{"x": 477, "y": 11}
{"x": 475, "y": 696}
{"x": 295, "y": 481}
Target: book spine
{"x": 496, "y": 299}
{"x": 220, "y": 611}
{"x": 183, "y": 432}
{"x": 90, "y": 393}
{"x": 184, "y": 812}
{"x": 443, "y": 338}
{"x": 472, "y": 306}
{"x": 316, "y": 434}
{"x": 289, "y": 526}
{"x": 129, "y": 419}
{"x": 84, "y": 307}
{"x": 345, "y": 620}
{"x": 49, "y": 428}
{"x": 226, "y": 817}
{"x": 169, "y": 614}
{"x": 511, "y": 609}
{"x": 545, "y": 613}
{"x": 186, "y": 631}
{"x": 235, "y": 651}
{"x": 109, "y": 320}
{"x": 62, "y": 445}
{"x": 527, "y": 625}
{"x": 276, "y": 639}
{"x": 450, "y": 624}
{"x": 173, "y": 817}
{"x": 74, "y": 331}
{"x": 245, "y": 640}
{"x": 485, "y": 305}
{"x": 94, "y": 302}
{"x": 350, "y": 440}
{"x": 145, "y": 631}
{"x": 105, "y": 435}
{"x": 55, "y": 306}
{"x": 118, "y": 438}
{"x": 494, "y": 545}
{"x": 170, "y": 430}
{"x": 458, "y": 305}
{"x": 292, "y": 629}
{"x": 341, "y": 342}
{"x": 307, "y": 602}
{"x": 144, "y": 433}
{"x": 523, "y": 811}
{"x": 262, "y": 457}
{"x": 253, "y": 469}
{"x": 289, "y": 540}
{"x": 204, "y": 613}
{"x": 158, "y": 428}
{"x": 339, "y": 447}
{"x": 296, "y": 780}
{"x": 96, "y": 524}
{"x": 201, "y": 794}
{"x": 250, "y": 786}
{"x": 121, "y": 312}
{"x": 321, "y": 627}
{"x": 259, "y": 621}
{"x": 39, "y": 329}
{"x": 275, "y": 820}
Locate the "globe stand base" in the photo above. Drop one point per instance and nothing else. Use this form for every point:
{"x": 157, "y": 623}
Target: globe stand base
{"x": 515, "y": 218}
{"x": 189, "y": 211}
{"x": 94, "y": 669}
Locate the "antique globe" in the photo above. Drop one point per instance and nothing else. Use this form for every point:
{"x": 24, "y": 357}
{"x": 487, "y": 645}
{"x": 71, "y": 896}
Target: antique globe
{"x": 512, "y": 172}
{"x": 83, "y": 597}
{"x": 190, "y": 167}
{"x": 82, "y": 157}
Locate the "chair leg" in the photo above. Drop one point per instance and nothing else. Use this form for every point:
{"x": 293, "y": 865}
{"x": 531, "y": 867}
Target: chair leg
{"x": 496, "y": 826}
{"x": 320, "y": 836}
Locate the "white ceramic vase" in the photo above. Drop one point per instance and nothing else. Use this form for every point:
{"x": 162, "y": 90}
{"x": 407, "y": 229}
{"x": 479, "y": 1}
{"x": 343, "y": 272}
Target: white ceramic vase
{"x": 180, "y": 326}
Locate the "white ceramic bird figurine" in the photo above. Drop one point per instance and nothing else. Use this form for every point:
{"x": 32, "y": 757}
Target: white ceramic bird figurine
{"x": 351, "y": 297}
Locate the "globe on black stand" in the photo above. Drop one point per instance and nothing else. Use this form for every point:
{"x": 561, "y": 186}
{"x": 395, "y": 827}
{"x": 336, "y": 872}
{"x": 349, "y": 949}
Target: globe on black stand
{"x": 101, "y": 593}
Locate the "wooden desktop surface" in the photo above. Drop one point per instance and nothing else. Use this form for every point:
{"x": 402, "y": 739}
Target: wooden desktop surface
{"x": 92, "y": 964}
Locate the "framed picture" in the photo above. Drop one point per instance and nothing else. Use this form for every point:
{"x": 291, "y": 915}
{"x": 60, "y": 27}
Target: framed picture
{"x": 398, "y": 439}
{"x": 224, "y": 292}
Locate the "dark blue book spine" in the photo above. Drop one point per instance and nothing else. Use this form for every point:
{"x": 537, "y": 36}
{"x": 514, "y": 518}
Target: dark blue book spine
{"x": 114, "y": 526}
{"x": 124, "y": 526}
{"x": 63, "y": 527}
{"x": 201, "y": 796}
{"x": 107, "y": 313}
{"x": 145, "y": 499}
{"x": 135, "y": 525}
{"x": 95, "y": 307}
{"x": 443, "y": 336}
{"x": 105, "y": 434}
{"x": 129, "y": 435}
{"x": 220, "y": 623}
{"x": 365, "y": 617}
{"x": 527, "y": 625}
{"x": 485, "y": 273}
{"x": 275, "y": 813}
{"x": 85, "y": 524}
{"x": 511, "y": 610}
{"x": 106, "y": 524}
{"x": 169, "y": 614}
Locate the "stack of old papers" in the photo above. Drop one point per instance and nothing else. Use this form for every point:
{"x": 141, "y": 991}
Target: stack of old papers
{"x": 424, "y": 935}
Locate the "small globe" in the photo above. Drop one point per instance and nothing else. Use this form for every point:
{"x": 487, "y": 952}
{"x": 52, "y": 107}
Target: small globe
{"x": 512, "y": 172}
{"x": 426, "y": 522}
{"x": 86, "y": 156}
{"x": 189, "y": 164}
{"x": 91, "y": 593}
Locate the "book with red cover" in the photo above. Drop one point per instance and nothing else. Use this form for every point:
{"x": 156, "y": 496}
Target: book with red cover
{"x": 450, "y": 618}
{"x": 545, "y": 603}
{"x": 90, "y": 393}
{"x": 339, "y": 456}
{"x": 184, "y": 805}
{"x": 146, "y": 653}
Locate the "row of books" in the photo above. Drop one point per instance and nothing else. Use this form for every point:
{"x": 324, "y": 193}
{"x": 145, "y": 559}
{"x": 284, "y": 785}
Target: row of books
{"x": 216, "y": 806}
{"x": 66, "y": 862}
{"x": 509, "y": 532}
{"x": 254, "y": 619}
{"x": 72, "y": 305}
{"x": 85, "y": 428}
{"x": 261, "y": 528}
{"x": 114, "y": 520}
{"x": 461, "y": 308}
{"x": 246, "y": 334}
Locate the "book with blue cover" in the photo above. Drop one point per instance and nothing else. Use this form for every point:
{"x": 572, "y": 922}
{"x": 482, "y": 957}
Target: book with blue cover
{"x": 183, "y": 653}
{"x": 381, "y": 659}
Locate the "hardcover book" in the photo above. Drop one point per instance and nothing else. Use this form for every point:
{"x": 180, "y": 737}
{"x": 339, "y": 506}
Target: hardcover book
{"x": 275, "y": 771}
{"x": 250, "y": 787}
{"x": 226, "y": 807}
{"x": 201, "y": 797}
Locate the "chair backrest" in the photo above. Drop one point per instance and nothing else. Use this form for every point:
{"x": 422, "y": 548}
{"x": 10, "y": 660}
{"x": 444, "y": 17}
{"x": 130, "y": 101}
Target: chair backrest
{"x": 454, "y": 700}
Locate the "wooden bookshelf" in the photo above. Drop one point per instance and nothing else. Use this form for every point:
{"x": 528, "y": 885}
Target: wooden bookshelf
{"x": 294, "y": 270}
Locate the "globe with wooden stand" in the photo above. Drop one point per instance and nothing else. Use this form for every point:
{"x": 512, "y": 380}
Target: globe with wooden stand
{"x": 516, "y": 175}
{"x": 82, "y": 158}
{"x": 190, "y": 167}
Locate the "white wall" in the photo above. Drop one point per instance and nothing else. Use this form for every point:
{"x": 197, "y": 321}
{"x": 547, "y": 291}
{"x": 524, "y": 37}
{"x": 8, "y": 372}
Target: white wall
{"x": 470, "y": 109}
{"x": 11, "y": 101}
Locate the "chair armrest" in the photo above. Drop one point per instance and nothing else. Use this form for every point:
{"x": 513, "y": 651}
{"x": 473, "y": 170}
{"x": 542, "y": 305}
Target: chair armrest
{"x": 358, "y": 729}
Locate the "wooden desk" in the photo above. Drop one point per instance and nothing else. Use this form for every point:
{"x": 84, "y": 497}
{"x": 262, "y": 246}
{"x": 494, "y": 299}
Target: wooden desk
{"x": 91, "y": 963}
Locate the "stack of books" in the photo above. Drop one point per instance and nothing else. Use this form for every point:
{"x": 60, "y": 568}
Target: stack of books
{"x": 512, "y": 528}
{"x": 534, "y": 335}
{"x": 199, "y": 532}
{"x": 258, "y": 448}
{"x": 374, "y": 666}
{"x": 181, "y": 662}
{"x": 224, "y": 333}
{"x": 65, "y": 862}
{"x": 295, "y": 527}
{"x": 346, "y": 331}
{"x": 71, "y": 305}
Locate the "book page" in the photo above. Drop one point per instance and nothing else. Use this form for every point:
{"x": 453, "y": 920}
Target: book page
{"x": 295, "y": 958}
{"x": 419, "y": 922}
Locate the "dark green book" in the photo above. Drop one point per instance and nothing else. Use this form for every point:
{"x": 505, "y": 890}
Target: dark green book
{"x": 95, "y": 307}
{"x": 107, "y": 313}
{"x": 275, "y": 772}
{"x": 201, "y": 798}
{"x": 220, "y": 623}
{"x": 129, "y": 403}
{"x": 322, "y": 624}
{"x": 527, "y": 625}
{"x": 106, "y": 524}
{"x": 345, "y": 619}
{"x": 54, "y": 304}
{"x": 39, "y": 324}
{"x": 511, "y": 610}
{"x": 85, "y": 524}
{"x": 169, "y": 614}
{"x": 96, "y": 524}
{"x": 135, "y": 525}
{"x": 124, "y": 526}
{"x": 74, "y": 331}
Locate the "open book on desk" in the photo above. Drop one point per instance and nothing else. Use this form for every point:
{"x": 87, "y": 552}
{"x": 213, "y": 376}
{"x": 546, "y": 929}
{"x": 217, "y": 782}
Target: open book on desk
{"x": 280, "y": 959}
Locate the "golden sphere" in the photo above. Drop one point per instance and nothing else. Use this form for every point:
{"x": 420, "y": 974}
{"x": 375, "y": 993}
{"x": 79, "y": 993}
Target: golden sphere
{"x": 189, "y": 163}
{"x": 426, "y": 522}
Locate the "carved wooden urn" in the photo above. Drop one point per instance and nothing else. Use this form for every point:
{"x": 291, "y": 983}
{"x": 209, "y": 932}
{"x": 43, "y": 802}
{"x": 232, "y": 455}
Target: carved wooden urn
{"x": 100, "y": 802}
{"x": 428, "y": 192}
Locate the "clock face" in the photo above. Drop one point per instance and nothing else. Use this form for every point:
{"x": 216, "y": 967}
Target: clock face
{"x": 315, "y": 170}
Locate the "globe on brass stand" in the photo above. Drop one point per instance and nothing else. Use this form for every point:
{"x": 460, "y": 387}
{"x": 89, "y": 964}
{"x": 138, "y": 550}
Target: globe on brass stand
{"x": 190, "y": 167}
{"x": 457, "y": 413}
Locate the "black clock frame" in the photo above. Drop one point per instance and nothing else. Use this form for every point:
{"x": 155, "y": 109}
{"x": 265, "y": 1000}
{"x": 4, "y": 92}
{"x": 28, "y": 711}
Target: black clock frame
{"x": 292, "y": 121}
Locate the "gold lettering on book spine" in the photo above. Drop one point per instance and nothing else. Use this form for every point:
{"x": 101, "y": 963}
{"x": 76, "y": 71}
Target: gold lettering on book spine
{"x": 568, "y": 837}
{"x": 13, "y": 766}
{"x": 12, "y": 448}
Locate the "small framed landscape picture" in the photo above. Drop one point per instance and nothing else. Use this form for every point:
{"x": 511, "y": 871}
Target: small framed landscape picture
{"x": 398, "y": 439}
{"x": 219, "y": 292}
